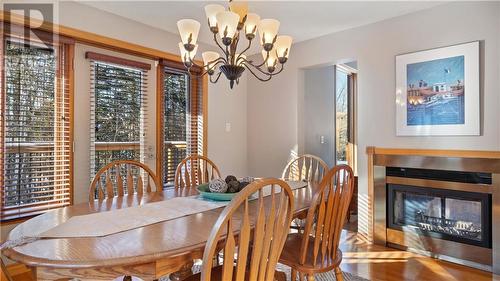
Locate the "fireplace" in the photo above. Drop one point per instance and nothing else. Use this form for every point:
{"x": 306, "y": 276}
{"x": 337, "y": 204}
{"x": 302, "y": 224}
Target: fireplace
{"x": 440, "y": 203}
{"x": 450, "y": 215}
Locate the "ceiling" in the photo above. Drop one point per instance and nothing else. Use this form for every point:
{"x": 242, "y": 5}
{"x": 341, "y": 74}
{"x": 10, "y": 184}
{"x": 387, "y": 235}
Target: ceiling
{"x": 302, "y": 20}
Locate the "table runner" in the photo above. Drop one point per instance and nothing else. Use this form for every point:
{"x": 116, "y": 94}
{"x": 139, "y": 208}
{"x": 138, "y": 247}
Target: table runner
{"x": 116, "y": 221}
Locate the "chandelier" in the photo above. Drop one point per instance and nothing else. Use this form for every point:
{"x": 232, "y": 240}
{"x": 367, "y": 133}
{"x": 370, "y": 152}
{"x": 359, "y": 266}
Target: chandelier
{"x": 226, "y": 27}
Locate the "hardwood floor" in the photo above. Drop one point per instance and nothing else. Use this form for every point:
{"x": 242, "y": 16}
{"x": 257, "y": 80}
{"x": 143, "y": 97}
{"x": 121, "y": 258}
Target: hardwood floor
{"x": 380, "y": 263}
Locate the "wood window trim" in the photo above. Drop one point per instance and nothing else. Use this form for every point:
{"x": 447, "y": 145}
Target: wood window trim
{"x": 117, "y": 60}
{"x": 63, "y": 45}
{"x": 352, "y": 134}
{"x": 352, "y": 77}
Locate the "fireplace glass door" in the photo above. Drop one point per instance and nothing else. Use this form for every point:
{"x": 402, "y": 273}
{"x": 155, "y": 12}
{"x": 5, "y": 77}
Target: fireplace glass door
{"x": 451, "y": 215}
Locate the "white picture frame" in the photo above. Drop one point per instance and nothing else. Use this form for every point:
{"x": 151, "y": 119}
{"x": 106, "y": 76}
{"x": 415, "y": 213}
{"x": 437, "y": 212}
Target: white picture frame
{"x": 438, "y": 92}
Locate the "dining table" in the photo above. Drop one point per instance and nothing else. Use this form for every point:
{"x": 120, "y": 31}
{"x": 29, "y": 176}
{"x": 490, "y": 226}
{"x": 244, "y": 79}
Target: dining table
{"x": 147, "y": 252}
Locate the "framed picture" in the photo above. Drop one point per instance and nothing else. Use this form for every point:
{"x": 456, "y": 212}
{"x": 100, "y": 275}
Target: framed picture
{"x": 437, "y": 92}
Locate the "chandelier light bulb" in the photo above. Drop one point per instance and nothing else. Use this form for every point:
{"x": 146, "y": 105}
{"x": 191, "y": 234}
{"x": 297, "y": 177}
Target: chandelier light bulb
{"x": 228, "y": 23}
{"x": 240, "y": 8}
{"x": 271, "y": 60}
{"x": 251, "y": 25}
{"x": 188, "y": 29}
{"x": 268, "y": 29}
{"x": 282, "y": 46}
{"x": 211, "y": 11}
{"x": 209, "y": 59}
{"x": 187, "y": 57}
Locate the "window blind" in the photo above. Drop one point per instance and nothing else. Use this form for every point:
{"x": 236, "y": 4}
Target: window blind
{"x": 35, "y": 134}
{"x": 181, "y": 119}
{"x": 118, "y": 112}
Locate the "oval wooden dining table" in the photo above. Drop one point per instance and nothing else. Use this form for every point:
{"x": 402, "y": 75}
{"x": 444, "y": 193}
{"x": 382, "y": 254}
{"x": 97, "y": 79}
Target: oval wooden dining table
{"x": 148, "y": 252}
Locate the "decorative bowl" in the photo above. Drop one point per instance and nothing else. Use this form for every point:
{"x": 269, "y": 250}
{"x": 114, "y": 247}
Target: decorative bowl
{"x": 205, "y": 193}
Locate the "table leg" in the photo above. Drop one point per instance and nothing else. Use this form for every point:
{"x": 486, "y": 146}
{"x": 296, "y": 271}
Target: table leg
{"x": 183, "y": 273}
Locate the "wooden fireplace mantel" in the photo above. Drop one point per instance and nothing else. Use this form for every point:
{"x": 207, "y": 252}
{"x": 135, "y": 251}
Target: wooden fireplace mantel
{"x": 452, "y": 160}
{"x": 481, "y": 154}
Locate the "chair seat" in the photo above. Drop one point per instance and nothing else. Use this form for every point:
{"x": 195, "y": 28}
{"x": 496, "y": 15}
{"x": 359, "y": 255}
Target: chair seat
{"x": 290, "y": 256}
{"x": 216, "y": 275}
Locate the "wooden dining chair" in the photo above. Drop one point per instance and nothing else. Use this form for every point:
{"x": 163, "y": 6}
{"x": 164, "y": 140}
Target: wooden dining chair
{"x": 316, "y": 250}
{"x": 306, "y": 167}
{"x": 195, "y": 170}
{"x": 309, "y": 168}
{"x": 122, "y": 177}
{"x": 257, "y": 251}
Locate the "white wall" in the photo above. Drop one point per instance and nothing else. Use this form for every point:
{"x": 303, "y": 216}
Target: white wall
{"x": 228, "y": 149}
{"x": 272, "y": 134}
{"x": 318, "y": 114}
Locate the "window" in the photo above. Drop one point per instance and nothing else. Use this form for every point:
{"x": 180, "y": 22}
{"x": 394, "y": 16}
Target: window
{"x": 35, "y": 132}
{"x": 176, "y": 85}
{"x": 344, "y": 109}
{"x": 181, "y": 114}
{"x": 118, "y": 107}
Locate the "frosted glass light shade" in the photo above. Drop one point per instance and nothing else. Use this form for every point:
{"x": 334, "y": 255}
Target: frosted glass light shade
{"x": 251, "y": 22}
{"x": 211, "y": 13}
{"x": 187, "y": 28}
{"x": 283, "y": 45}
{"x": 227, "y": 21}
{"x": 271, "y": 60}
{"x": 209, "y": 58}
{"x": 185, "y": 55}
{"x": 239, "y": 7}
{"x": 268, "y": 28}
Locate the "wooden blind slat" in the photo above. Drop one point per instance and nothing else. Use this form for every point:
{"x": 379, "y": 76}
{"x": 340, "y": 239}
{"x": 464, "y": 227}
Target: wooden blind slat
{"x": 117, "y": 60}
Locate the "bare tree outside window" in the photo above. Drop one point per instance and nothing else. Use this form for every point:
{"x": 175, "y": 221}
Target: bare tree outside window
{"x": 118, "y": 104}
{"x": 342, "y": 116}
{"x": 176, "y": 91}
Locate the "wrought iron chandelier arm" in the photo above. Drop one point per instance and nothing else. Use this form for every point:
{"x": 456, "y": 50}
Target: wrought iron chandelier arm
{"x": 216, "y": 62}
{"x": 220, "y": 46}
{"x": 246, "y": 49}
{"x": 205, "y": 70}
{"x": 216, "y": 79}
{"x": 279, "y": 71}
{"x": 257, "y": 76}
{"x": 247, "y": 63}
{"x": 263, "y": 62}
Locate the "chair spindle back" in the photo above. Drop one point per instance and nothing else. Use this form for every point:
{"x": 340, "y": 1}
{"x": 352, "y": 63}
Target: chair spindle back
{"x": 122, "y": 177}
{"x": 306, "y": 167}
{"x": 195, "y": 170}
{"x": 327, "y": 214}
{"x": 257, "y": 256}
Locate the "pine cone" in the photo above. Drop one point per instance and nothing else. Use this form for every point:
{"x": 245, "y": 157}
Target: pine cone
{"x": 233, "y": 186}
{"x": 243, "y": 185}
{"x": 230, "y": 178}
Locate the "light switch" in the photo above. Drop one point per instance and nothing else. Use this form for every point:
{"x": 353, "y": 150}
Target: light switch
{"x": 322, "y": 139}
{"x": 228, "y": 127}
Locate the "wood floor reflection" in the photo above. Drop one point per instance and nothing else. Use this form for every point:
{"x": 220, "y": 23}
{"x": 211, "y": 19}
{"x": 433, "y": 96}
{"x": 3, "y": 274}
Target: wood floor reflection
{"x": 381, "y": 263}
